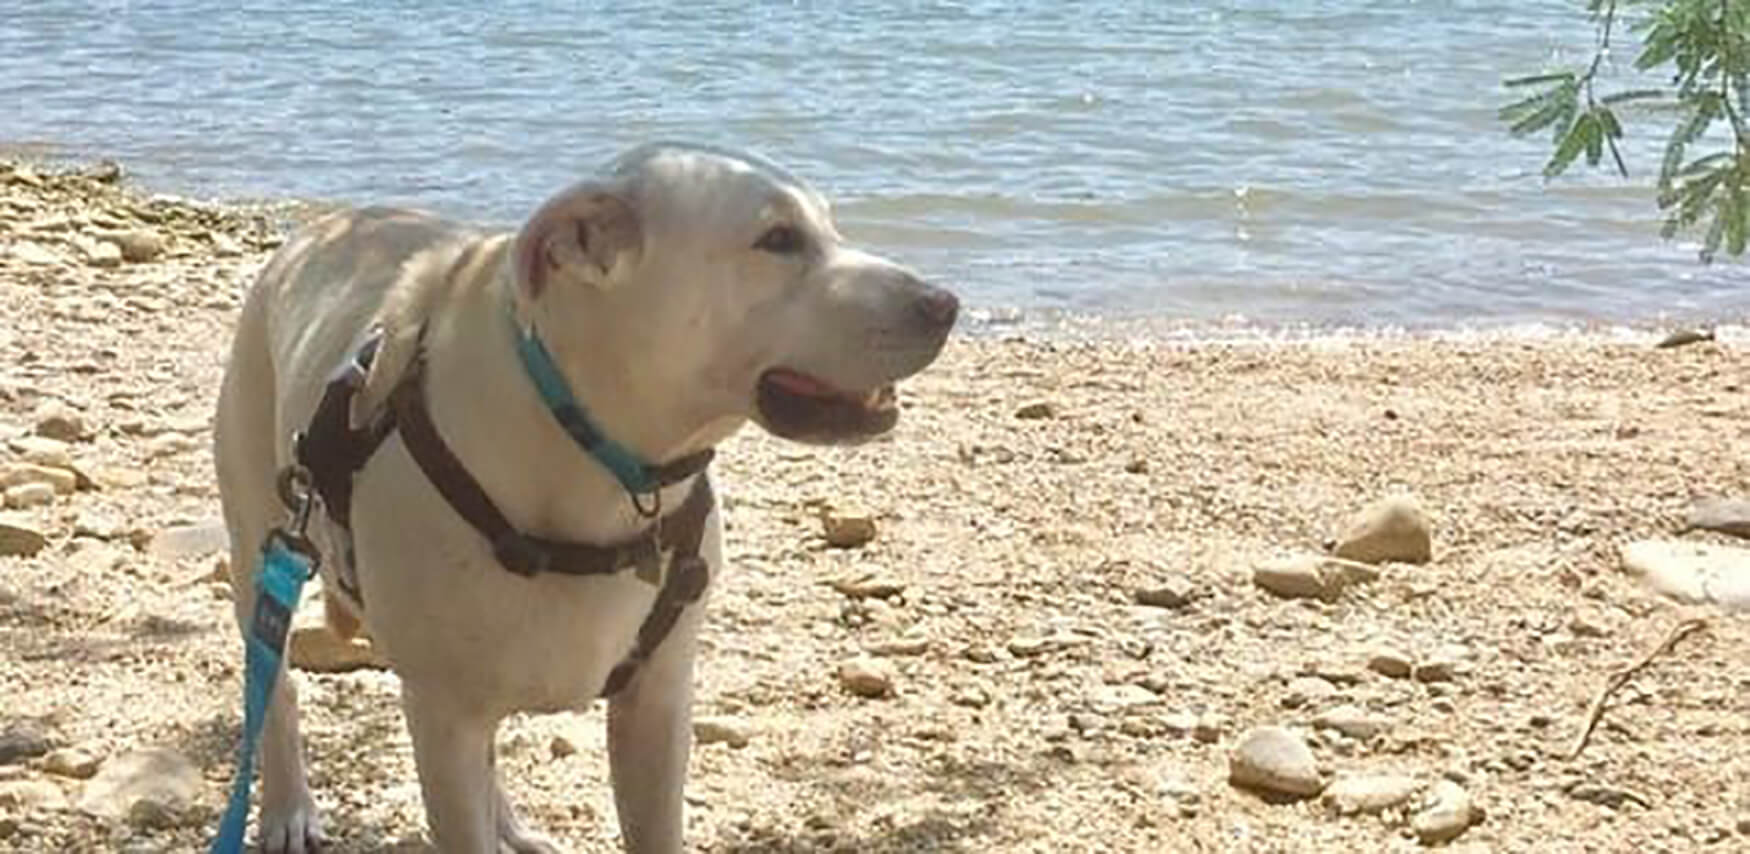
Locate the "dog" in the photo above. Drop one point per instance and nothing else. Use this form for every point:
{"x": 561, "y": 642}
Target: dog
{"x": 678, "y": 294}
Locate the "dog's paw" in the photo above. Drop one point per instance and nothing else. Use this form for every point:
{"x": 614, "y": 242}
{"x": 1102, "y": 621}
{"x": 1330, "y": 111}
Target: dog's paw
{"x": 292, "y": 828}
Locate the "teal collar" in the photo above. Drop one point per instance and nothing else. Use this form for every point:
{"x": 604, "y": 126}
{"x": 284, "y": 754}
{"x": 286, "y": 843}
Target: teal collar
{"x": 633, "y": 473}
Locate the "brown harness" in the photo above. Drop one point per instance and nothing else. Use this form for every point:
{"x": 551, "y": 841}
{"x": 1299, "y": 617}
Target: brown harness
{"x": 334, "y": 452}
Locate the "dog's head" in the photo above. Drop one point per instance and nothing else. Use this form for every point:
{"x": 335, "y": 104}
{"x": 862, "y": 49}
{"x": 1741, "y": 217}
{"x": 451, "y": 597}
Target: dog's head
{"x": 718, "y": 282}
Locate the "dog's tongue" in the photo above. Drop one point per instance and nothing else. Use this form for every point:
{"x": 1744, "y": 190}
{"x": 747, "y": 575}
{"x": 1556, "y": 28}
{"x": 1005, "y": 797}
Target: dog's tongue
{"x": 802, "y": 384}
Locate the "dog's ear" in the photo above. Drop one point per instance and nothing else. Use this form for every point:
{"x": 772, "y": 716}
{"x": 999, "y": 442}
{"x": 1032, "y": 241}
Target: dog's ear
{"x": 589, "y": 233}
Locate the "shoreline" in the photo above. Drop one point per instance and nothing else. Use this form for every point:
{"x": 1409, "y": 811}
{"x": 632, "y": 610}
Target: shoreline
{"x": 1004, "y": 321}
{"x": 1061, "y": 599}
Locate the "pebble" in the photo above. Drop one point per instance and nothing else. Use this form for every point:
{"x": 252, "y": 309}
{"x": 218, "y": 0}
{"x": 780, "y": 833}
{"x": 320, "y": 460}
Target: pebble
{"x": 71, "y": 762}
{"x": 27, "y": 495}
{"x": 1352, "y": 721}
{"x": 722, "y": 730}
{"x": 168, "y": 444}
{"x": 1210, "y": 727}
{"x": 1393, "y": 529}
{"x": 1684, "y": 337}
{"x": 19, "y": 538}
{"x": 191, "y": 540}
{"x": 23, "y": 743}
{"x": 43, "y": 451}
{"x": 1446, "y": 813}
{"x": 58, "y": 421}
{"x": 1691, "y": 572}
{"x": 1722, "y": 515}
{"x": 1174, "y": 593}
{"x": 1614, "y": 797}
{"x": 1307, "y": 691}
{"x": 970, "y": 696}
{"x": 866, "y": 677}
{"x": 98, "y": 253}
{"x": 26, "y": 796}
{"x": 1368, "y": 794}
{"x": 561, "y": 746}
{"x": 1390, "y": 663}
{"x": 62, "y": 481}
{"x": 143, "y": 786}
{"x": 1309, "y": 576}
{"x": 901, "y": 647}
{"x": 34, "y": 254}
{"x": 847, "y": 530}
{"x": 137, "y": 245}
{"x": 1274, "y": 759}
{"x": 1124, "y": 696}
{"x": 868, "y": 585}
{"x": 1437, "y": 670}
{"x": 1036, "y": 411}
{"x": 319, "y": 650}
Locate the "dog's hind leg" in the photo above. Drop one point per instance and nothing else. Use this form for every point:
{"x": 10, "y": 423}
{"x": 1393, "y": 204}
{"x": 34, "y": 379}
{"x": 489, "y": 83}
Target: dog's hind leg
{"x": 452, "y": 748}
{"x": 246, "y": 454}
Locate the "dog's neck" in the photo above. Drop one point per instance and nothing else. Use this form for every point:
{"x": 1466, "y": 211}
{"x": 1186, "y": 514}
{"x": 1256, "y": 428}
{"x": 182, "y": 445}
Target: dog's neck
{"x": 490, "y": 411}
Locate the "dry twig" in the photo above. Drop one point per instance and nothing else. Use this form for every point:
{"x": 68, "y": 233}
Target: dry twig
{"x": 1620, "y": 677}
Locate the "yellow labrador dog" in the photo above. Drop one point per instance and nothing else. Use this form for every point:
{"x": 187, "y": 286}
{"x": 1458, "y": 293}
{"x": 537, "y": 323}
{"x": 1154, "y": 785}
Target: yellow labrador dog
{"x": 509, "y": 435}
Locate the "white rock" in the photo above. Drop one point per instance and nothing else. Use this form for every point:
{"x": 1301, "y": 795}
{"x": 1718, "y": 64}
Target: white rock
{"x": 1276, "y": 760}
{"x": 1365, "y": 795}
{"x": 27, "y": 796}
{"x": 1393, "y": 529}
{"x": 27, "y": 495}
{"x": 43, "y": 451}
{"x": 1352, "y": 721}
{"x": 34, "y": 254}
{"x": 164, "y": 780}
{"x": 1445, "y": 814}
{"x": 1693, "y": 573}
{"x": 1310, "y": 576}
{"x": 1124, "y": 697}
{"x": 722, "y": 730}
{"x": 62, "y": 481}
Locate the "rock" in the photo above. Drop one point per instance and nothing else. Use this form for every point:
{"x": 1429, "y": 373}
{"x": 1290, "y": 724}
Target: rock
{"x": 27, "y": 495}
{"x": 970, "y": 696}
{"x": 19, "y": 744}
{"x": 27, "y": 796}
{"x": 1366, "y": 795}
{"x": 867, "y": 585}
{"x": 56, "y": 420}
{"x": 319, "y": 650}
{"x": 1722, "y": 515}
{"x": 1613, "y": 797}
{"x": 1124, "y": 697}
{"x": 1684, "y": 337}
{"x": 1209, "y": 729}
{"x": 1692, "y": 572}
{"x": 721, "y": 730}
{"x": 116, "y": 477}
{"x": 1307, "y": 691}
{"x": 191, "y": 540}
{"x": 19, "y": 539}
{"x": 847, "y": 530}
{"x": 1389, "y": 663}
{"x": 165, "y": 781}
{"x": 71, "y": 762}
{"x": 1352, "y": 721}
{"x": 866, "y": 677}
{"x": 1275, "y": 760}
{"x": 1436, "y": 670}
{"x": 43, "y": 451}
{"x": 99, "y": 254}
{"x": 561, "y": 746}
{"x": 104, "y": 172}
{"x": 899, "y": 647}
{"x": 137, "y": 245}
{"x": 224, "y": 246}
{"x": 1174, "y": 593}
{"x": 1309, "y": 577}
{"x": 1744, "y": 826}
{"x": 61, "y": 481}
{"x": 34, "y": 254}
{"x": 1393, "y": 529}
{"x": 1446, "y": 813}
{"x": 1037, "y": 411}
{"x": 168, "y": 444}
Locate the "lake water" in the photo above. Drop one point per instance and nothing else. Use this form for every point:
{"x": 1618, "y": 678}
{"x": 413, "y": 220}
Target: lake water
{"x": 1286, "y": 163}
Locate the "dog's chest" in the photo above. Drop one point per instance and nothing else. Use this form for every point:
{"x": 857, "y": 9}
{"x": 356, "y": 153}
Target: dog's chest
{"x": 446, "y": 613}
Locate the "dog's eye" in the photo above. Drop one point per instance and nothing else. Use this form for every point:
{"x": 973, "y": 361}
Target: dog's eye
{"x": 781, "y": 240}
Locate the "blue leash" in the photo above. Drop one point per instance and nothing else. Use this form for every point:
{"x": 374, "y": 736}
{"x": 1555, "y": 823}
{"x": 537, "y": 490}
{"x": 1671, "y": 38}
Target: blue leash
{"x": 287, "y": 561}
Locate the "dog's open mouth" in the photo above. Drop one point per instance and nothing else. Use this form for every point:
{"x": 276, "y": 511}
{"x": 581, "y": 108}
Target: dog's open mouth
{"x": 798, "y": 406}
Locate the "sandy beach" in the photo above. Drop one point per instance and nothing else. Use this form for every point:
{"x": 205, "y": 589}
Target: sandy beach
{"x": 982, "y": 675}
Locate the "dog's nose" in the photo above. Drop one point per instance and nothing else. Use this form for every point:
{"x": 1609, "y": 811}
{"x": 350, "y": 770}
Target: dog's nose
{"x": 936, "y": 306}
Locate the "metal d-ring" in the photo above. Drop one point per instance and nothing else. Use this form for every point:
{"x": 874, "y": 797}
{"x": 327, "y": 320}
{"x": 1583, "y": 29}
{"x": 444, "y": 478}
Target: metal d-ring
{"x": 296, "y": 493}
{"x": 654, "y": 509}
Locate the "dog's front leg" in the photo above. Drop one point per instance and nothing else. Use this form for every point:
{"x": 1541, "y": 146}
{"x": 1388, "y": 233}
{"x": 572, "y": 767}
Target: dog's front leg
{"x": 452, "y": 748}
{"x": 649, "y": 738}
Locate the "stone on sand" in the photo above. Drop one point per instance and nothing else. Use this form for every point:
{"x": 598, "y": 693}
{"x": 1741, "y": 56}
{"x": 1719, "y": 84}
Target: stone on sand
{"x": 1393, "y": 529}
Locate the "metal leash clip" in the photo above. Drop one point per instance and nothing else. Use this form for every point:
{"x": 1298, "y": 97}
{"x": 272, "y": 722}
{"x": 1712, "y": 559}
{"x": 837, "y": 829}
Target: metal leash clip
{"x": 297, "y": 493}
